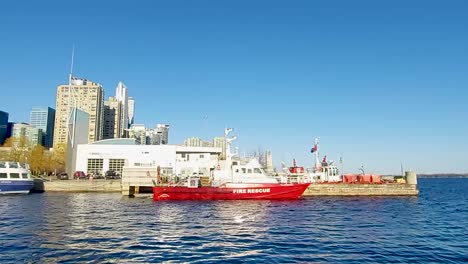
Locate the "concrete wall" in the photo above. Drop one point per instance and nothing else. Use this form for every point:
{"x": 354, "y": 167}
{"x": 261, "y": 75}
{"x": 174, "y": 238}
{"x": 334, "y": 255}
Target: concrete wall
{"x": 342, "y": 189}
{"x": 82, "y": 186}
{"x": 135, "y": 177}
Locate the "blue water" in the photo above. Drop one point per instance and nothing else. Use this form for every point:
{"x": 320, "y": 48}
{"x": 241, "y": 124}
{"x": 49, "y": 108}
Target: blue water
{"x": 108, "y": 228}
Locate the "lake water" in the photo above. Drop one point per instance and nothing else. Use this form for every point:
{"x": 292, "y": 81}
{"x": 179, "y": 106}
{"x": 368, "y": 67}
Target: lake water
{"x": 109, "y": 228}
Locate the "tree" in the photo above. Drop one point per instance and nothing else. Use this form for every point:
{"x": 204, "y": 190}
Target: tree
{"x": 57, "y": 159}
{"x": 20, "y": 148}
{"x": 37, "y": 162}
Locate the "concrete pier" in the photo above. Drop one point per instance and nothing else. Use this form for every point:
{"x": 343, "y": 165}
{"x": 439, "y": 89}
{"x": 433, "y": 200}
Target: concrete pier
{"x": 78, "y": 186}
{"x": 343, "y": 189}
{"x": 140, "y": 182}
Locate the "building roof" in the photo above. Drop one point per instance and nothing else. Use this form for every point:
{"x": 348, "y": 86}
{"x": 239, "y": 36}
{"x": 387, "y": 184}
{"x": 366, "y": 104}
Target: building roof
{"x": 116, "y": 141}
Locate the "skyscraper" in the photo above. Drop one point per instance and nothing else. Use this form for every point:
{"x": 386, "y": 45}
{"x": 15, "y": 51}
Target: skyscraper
{"x": 3, "y": 126}
{"x": 112, "y": 113}
{"x": 44, "y": 118}
{"x": 86, "y": 96}
{"x": 131, "y": 111}
{"x": 121, "y": 95}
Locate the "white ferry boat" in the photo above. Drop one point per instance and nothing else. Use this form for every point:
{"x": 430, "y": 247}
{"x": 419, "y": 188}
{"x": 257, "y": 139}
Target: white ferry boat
{"x": 15, "y": 178}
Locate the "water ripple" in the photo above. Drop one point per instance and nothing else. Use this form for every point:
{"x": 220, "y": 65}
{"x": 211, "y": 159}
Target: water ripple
{"x": 108, "y": 228}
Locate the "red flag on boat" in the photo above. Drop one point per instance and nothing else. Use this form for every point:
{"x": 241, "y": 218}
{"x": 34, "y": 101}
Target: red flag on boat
{"x": 314, "y": 149}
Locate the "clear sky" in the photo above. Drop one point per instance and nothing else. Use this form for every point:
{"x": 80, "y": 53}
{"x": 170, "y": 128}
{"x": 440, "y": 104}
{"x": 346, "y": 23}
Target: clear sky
{"x": 380, "y": 82}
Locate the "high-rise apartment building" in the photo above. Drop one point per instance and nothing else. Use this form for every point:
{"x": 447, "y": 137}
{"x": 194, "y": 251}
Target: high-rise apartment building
{"x": 3, "y": 126}
{"x": 44, "y": 118}
{"x": 112, "y": 114}
{"x": 131, "y": 111}
{"x": 85, "y": 95}
{"x": 121, "y": 95}
{"x": 268, "y": 162}
{"x": 32, "y": 134}
{"x": 162, "y": 134}
{"x": 220, "y": 142}
{"x": 138, "y": 132}
{"x": 197, "y": 142}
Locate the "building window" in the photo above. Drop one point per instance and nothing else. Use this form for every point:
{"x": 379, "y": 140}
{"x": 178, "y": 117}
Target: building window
{"x": 116, "y": 165}
{"x": 95, "y": 165}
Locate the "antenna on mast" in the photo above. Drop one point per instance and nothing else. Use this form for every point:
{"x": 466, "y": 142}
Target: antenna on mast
{"x": 71, "y": 65}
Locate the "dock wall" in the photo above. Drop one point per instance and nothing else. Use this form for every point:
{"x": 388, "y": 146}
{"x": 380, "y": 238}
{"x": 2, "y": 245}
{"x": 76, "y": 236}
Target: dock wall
{"x": 342, "y": 189}
{"x": 79, "y": 186}
{"x": 127, "y": 188}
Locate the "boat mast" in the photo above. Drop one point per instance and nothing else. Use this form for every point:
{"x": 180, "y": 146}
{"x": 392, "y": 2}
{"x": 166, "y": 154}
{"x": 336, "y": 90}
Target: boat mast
{"x": 228, "y": 150}
{"x": 317, "y": 162}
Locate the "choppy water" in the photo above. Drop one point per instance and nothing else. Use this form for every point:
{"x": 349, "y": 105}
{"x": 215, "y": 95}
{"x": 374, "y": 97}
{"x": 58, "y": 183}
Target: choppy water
{"x": 107, "y": 228}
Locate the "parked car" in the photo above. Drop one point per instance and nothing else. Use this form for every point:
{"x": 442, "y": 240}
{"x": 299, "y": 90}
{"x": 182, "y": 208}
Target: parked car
{"x": 79, "y": 175}
{"x": 63, "y": 176}
{"x": 97, "y": 175}
{"x": 110, "y": 174}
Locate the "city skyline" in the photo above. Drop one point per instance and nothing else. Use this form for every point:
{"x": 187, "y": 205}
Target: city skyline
{"x": 381, "y": 84}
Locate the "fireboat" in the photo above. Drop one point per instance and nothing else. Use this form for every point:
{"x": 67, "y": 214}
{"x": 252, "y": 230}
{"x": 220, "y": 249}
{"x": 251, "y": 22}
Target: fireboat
{"x": 231, "y": 180}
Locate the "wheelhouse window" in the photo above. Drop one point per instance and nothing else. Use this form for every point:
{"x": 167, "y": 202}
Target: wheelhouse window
{"x": 14, "y": 176}
{"x": 13, "y": 165}
{"x": 249, "y": 170}
{"x": 257, "y": 170}
{"x": 2, "y": 164}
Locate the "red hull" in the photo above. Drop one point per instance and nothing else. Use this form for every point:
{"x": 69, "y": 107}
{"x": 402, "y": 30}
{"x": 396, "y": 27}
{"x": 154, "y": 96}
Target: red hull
{"x": 241, "y": 191}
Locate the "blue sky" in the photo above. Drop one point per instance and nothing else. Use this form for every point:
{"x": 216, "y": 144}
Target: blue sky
{"x": 380, "y": 82}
